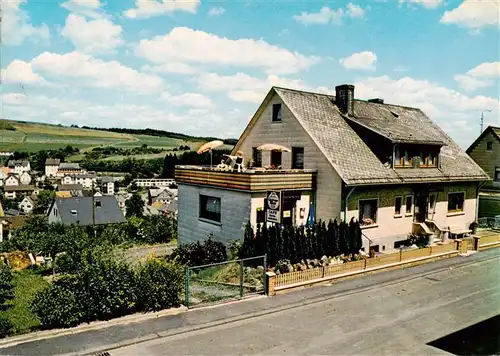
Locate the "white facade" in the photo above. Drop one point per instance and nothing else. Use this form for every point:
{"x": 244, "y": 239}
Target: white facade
{"x": 153, "y": 182}
{"x": 25, "y": 178}
{"x": 11, "y": 181}
{"x": 27, "y": 205}
{"x": 109, "y": 188}
{"x": 51, "y": 170}
{"x": 85, "y": 181}
{"x": 19, "y": 168}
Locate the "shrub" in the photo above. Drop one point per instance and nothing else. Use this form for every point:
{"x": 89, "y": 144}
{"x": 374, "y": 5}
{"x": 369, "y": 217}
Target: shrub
{"x": 5, "y": 326}
{"x": 196, "y": 253}
{"x": 6, "y": 286}
{"x": 283, "y": 266}
{"x": 57, "y": 305}
{"x": 235, "y": 250}
{"x": 160, "y": 284}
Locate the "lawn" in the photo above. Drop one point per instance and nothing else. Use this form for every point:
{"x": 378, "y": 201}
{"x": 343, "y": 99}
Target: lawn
{"x": 26, "y": 284}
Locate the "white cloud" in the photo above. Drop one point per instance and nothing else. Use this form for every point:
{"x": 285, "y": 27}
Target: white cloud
{"x": 486, "y": 70}
{"x": 87, "y": 71}
{"x": 14, "y": 99}
{"x": 89, "y": 8}
{"x": 428, "y": 4}
{"x": 93, "y": 36}
{"x": 443, "y": 105}
{"x": 323, "y": 17}
{"x": 183, "y": 44}
{"x": 21, "y": 72}
{"x": 362, "y": 60}
{"x": 481, "y": 76}
{"x": 355, "y": 11}
{"x": 474, "y": 14}
{"x": 245, "y": 88}
{"x": 194, "y": 100}
{"x": 470, "y": 83}
{"x": 171, "y": 67}
{"x": 17, "y": 27}
{"x": 216, "y": 11}
{"x": 326, "y": 15}
{"x": 148, "y": 8}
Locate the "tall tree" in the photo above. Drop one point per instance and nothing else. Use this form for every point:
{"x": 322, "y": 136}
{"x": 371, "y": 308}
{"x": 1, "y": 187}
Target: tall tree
{"x": 134, "y": 206}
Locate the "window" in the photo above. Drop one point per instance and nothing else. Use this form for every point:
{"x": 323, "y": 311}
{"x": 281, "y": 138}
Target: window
{"x": 276, "y": 159}
{"x": 397, "y": 205}
{"x": 368, "y": 212}
{"x": 409, "y": 204}
{"x": 489, "y": 146}
{"x": 432, "y": 202}
{"x": 456, "y": 202}
{"x": 261, "y": 218}
{"x": 297, "y": 157}
{"x": 257, "y": 157}
{"x": 276, "y": 112}
{"x": 497, "y": 174}
{"x": 210, "y": 208}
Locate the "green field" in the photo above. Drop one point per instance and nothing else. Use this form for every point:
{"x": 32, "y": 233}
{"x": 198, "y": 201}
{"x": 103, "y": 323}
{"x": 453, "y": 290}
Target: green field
{"x": 30, "y": 137}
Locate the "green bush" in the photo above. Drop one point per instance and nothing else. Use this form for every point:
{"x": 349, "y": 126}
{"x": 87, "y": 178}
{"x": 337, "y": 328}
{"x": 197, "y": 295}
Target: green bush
{"x": 58, "y": 305}
{"x": 6, "y": 326}
{"x": 6, "y": 286}
{"x": 160, "y": 285}
{"x": 196, "y": 253}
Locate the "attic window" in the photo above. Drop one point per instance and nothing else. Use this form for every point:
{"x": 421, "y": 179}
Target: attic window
{"x": 489, "y": 146}
{"x": 276, "y": 112}
{"x": 98, "y": 203}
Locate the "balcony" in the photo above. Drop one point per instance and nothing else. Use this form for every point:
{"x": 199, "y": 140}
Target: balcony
{"x": 251, "y": 180}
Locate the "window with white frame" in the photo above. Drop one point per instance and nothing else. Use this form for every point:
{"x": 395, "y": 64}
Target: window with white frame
{"x": 368, "y": 211}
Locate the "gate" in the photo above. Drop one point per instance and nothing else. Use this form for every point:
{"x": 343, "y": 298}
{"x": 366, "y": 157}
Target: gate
{"x": 218, "y": 282}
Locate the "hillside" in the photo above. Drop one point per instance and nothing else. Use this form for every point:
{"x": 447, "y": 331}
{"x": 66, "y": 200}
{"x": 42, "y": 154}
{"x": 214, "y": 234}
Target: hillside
{"x": 30, "y": 136}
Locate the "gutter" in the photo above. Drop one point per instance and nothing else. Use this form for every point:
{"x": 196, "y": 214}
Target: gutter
{"x": 347, "y": 202}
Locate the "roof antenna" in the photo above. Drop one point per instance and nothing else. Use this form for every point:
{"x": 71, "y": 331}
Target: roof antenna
{"x": 482, "y": 119}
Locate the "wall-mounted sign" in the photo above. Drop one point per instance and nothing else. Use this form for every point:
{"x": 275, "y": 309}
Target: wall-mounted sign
{"x": 273, "y": 208}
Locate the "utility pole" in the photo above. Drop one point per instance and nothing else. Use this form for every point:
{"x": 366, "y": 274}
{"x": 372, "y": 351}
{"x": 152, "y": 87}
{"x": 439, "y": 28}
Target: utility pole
{"x": 482, "y": 119}
{"x": 93, "y": 210}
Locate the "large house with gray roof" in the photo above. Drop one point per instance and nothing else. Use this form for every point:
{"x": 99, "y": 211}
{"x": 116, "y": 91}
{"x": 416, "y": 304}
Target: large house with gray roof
{"x": 388, "y": 166}
{"x": 485, "y": 151}
{"x": 86, "y": 211}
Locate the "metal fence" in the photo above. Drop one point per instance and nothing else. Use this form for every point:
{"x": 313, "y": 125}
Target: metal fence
{"x": 489, "y": 223}
{"x": 218, "y": 282}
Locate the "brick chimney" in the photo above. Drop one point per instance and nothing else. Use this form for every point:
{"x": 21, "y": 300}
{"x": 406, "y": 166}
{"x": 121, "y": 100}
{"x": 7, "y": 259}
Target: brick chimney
{"x": 344, "y": 98}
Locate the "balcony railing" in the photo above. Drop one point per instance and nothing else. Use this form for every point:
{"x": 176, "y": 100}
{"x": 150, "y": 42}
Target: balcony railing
{"x": 253, "y": 180}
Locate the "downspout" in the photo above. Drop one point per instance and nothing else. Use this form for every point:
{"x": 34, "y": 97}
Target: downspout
{"x": 393, "y": 156}
{"x": 346, "y": 203}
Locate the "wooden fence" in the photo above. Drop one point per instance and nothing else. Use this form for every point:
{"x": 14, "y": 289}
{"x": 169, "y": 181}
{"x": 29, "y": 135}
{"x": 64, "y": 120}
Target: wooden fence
{"x": 321, "y": 274}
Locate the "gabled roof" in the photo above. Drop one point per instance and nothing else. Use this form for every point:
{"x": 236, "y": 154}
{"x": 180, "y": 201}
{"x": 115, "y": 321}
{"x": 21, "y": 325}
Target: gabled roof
{"x": 69, "y": 187}
{"x": 351, "y": 157}
{"x": 18, "y": 188}
{"x": 79, "y": 210}
{"x": 52, "y": 161}
{"x": 490, "y": 129}
{"x": 69, "y": 166}
{"x": 13, "y": 163}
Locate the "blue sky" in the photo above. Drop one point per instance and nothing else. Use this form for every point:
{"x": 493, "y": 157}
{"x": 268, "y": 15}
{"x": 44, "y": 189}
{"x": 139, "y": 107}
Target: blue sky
{"x": 203, "y": 67}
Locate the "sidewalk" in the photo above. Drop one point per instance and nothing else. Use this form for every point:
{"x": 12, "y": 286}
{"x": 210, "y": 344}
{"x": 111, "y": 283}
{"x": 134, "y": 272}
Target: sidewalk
{"x": 130, "y": 332}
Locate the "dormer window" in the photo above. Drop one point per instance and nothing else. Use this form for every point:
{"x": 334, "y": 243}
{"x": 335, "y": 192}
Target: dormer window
{"x": 402, "y": 158}
{"x": 277, "y": 112}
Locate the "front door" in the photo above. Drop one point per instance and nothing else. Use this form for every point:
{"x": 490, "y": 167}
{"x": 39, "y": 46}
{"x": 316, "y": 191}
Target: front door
{"x": 421, "y": 203}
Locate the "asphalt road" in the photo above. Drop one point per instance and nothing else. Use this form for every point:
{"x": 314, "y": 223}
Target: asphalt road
{"x": 397, "y": 319}
{"x": 394, "y": 312}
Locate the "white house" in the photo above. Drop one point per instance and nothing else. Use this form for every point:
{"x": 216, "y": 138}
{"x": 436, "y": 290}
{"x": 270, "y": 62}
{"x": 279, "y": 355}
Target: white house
{"x": 51, "y": 167}
{"x": 85, "y": 180}
{"x": 11, "y": 181}
{"x": 27, "y": 205}
{"x": 107, "y": 185}
{"x": 154, "y": 182}
{"x": 387, "y": 166}
{"x": 69, "y": 168}
{"x": 19, "y": 166}
{"x": 25, "y": 178}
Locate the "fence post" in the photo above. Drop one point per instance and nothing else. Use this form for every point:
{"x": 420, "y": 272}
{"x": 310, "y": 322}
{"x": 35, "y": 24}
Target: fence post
{"x": 187, "y": 287}
{"x": 264, "y": 274}
{"x": 400, "y": 255}
{"x": 430, "y": 250}
{"x": 270, "y": 281}
{"x": 241, "y": 279}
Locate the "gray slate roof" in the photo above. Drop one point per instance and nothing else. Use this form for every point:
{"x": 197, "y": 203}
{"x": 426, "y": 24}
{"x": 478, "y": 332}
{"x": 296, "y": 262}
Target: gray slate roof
{"x": 67, "y": 187}
{"x": 52, "y": 161}
{"x": 13, "y": 163}
{"x": 69, "y": 166}
{"x": 354, "y": 161}
{"x": 106, "y": 179}
{"x": 109, "y": 212}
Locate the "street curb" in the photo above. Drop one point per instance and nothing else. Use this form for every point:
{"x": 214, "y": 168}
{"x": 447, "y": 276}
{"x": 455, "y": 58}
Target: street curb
{"x": 252, "y": 315}
{"x": 95, "y": 325}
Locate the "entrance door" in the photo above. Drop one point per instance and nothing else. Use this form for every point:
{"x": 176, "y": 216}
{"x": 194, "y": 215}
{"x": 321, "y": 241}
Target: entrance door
{"x": 421, "y": 203}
